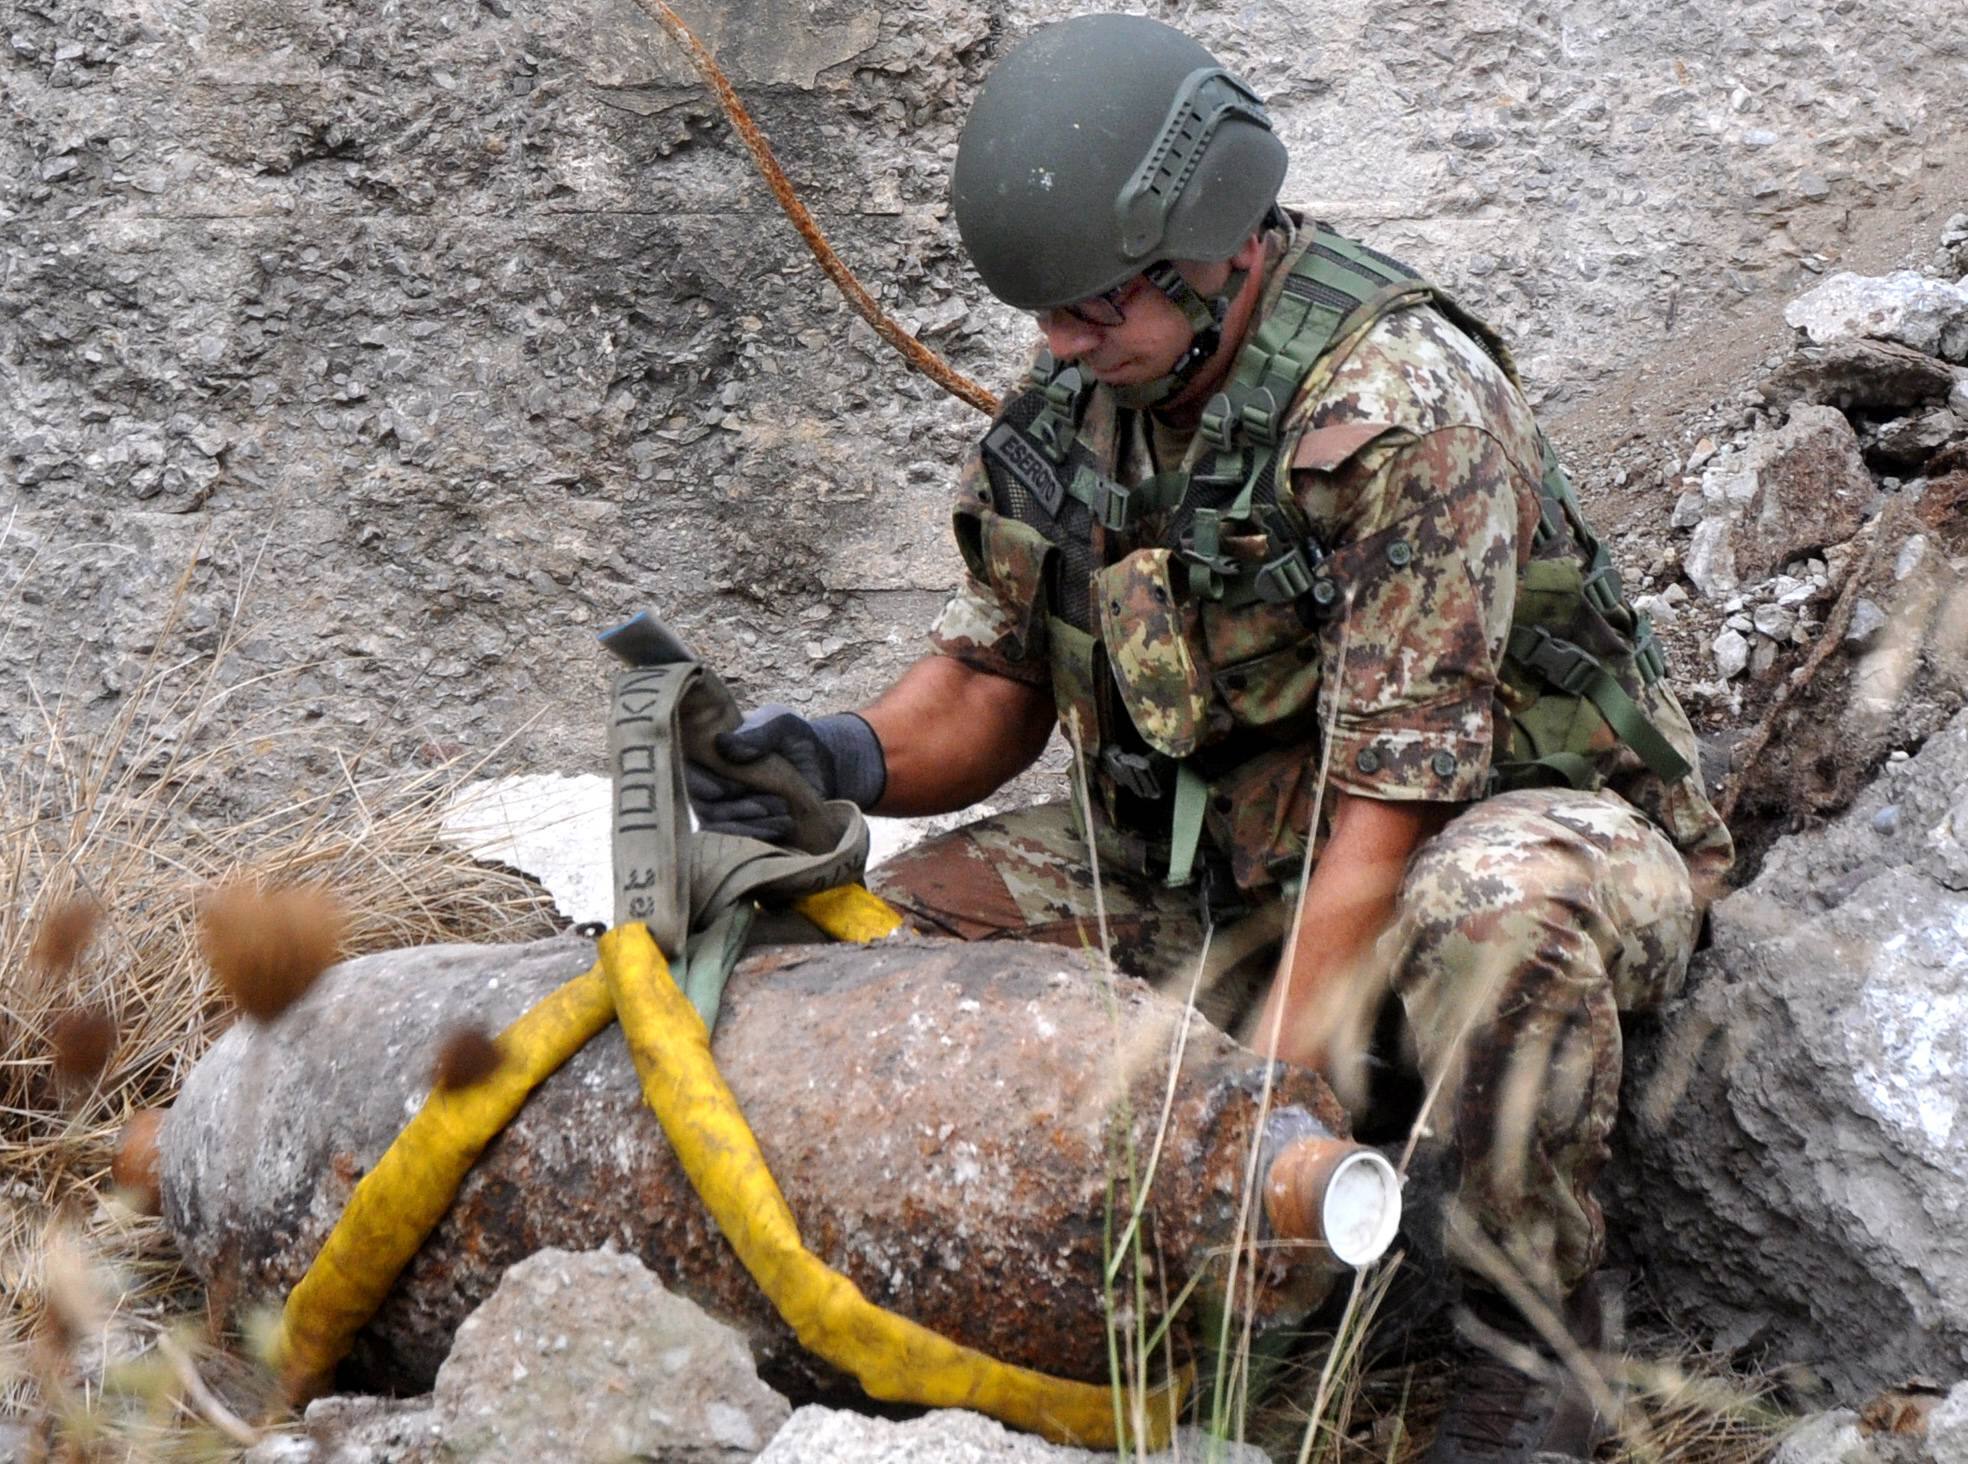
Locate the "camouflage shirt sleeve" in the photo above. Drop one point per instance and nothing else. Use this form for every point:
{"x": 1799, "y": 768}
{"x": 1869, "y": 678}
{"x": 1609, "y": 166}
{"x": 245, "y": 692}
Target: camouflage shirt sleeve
{"x": 1426, "y": 529}
{"x": 981, "y": 626}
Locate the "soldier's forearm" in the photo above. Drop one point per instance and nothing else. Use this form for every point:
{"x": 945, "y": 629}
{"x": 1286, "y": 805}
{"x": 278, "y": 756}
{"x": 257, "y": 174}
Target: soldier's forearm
{"x": 952, "y": 735}
{"x": 1322, "y": 1005}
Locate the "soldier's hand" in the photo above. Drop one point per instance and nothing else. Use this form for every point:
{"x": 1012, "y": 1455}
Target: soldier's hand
{"x": 837, "y": 756}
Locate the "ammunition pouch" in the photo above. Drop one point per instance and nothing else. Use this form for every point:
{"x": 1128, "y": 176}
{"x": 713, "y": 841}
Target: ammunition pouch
{"x": 1151, "y": 638}
{"x": 1580, "y": 663}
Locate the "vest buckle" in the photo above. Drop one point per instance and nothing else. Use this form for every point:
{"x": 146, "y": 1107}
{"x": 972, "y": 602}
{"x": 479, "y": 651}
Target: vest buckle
{"x": 1138, "y": 773}
{"x": 1106, "y": 500}
{"x": 1284, "y": 578}
{"x": 1569, "y": 668}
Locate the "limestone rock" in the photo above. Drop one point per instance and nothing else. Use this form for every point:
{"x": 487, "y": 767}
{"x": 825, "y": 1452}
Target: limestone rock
{"x": 1710, "y": 562}
{"x": 1731, "y": 653}
{"x": 1826, "y": 1438}
{"x": 1859, "y": 375}
{"x": 584, "y": 1356}
{"x": 1927, "y": 314}
{"x": 1947, "y": 1428}
{"x": 1796, "y": 1167}
{"x": 1687, "y": 509}
{"x": 1775, "y": 621}
{"x": 1811, "y": 490}
{"x": 1906, "y": 443}
{"x": 819, "y": 1435}
{"x": 279, "y": 1448}
{"x": 1762, "y": 657}
{"x": 1657, "y": 608}
{"x": 358, "y": 1429}
{"x": 1867, "y": 621}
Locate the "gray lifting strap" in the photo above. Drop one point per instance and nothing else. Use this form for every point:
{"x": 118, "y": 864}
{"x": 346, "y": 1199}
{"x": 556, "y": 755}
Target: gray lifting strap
{"x": 697, "y": 891}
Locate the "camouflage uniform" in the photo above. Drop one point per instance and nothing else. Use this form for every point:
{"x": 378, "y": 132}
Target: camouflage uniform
{"x": 1523, "y": 928}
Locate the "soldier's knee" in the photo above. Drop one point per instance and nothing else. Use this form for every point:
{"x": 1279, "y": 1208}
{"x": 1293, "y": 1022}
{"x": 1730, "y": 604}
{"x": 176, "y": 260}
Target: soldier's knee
{"x": 1494, "y": 860}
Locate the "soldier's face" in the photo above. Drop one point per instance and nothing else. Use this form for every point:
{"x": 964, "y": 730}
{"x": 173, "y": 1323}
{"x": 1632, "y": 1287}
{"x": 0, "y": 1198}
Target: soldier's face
{"x": 1149, "y": 335}
{"x": 1148, "y": 340}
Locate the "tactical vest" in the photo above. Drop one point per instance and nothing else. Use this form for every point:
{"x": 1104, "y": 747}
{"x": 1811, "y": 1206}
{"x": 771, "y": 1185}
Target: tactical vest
{"x": 1174, "y": 740}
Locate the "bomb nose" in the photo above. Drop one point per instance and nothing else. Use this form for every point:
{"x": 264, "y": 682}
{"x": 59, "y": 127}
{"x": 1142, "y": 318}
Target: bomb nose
{"x": 1336, "y": 1194}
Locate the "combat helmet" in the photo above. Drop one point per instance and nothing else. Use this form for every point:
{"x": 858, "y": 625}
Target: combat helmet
{"x": 1103, "y": 145}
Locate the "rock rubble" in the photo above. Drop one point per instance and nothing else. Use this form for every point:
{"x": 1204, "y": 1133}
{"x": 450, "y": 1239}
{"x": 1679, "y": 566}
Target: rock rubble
{"x": 584, "y": 1358}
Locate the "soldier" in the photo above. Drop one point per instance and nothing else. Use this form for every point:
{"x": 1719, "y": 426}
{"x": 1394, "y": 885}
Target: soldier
{"x": 1270, "y": 531}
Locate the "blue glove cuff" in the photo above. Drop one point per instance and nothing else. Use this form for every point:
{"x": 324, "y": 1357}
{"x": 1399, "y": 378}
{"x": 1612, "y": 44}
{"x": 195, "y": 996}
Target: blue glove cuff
{"x": 860, "y": 769}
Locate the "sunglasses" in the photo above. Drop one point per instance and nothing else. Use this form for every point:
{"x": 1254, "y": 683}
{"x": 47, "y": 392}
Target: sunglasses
{"x": 1105, "y": 310}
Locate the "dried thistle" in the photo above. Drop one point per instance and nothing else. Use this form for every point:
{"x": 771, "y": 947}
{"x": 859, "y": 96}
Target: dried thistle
{"x": 466, "y": 1058}
{"x": 267, "y": 949}
{"x": 64, "y": 935}
{"x": 83, "y": 1040}
{"x": 134, "y": 1170}
{"x": 71, "y": 1301}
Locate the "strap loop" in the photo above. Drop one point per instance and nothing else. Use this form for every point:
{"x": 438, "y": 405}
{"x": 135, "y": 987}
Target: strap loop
{"x": 1567, "y": 667}
{"x": 1261, "y": 416}
{"x": 1058, "y": 421}
{"x": 1106, "y": 500}
{"x": 1284, "y": 578}
{"x": 1218, "y": 421}
{"x": 1139, "y": 773}
{"x": 1201, "y": 549}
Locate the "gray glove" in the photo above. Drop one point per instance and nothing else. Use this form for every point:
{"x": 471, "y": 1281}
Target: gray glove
{"x": 839, "y": 756}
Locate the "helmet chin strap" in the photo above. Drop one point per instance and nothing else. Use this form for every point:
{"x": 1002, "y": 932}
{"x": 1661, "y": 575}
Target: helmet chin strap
{"x": 1205, "y": 317}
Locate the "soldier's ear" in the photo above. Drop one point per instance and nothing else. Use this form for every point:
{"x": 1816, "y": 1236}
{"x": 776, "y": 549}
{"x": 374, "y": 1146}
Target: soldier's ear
{"x": 1250, "y": 255}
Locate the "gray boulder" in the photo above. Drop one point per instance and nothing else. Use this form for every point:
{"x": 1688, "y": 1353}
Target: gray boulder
{"x": 1811, "y": 490}
{"x": 584, "y": 1356}
{"x": 1784, "y": 494}
{"x": 577, "y": 1356}
{"x": 358, "y": 1429}
{"x": 1906, "y": 443}
{"x": 1860, "y": 375}
{"x": 1826, "y": 1438}
{"x": 1710, "y": 560}
{"x": 1947, "y": 1428}
{"x": 819, "y": 1435}
{"x": 1927, "y": 314}
{"x": 1796, "y": 1171}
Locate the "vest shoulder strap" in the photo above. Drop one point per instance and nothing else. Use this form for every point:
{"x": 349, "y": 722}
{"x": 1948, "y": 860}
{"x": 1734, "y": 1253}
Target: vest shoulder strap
{"x": 1331, "y": 288}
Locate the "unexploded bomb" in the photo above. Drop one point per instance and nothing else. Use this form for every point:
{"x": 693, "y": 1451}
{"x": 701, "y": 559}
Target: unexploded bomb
{"x": 945, "y": 1121}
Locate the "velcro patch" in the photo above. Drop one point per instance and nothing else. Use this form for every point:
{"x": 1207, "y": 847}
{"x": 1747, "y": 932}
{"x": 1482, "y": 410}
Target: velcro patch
{"x": 1018, "y": 456}
{"x": 1322, "y": 449}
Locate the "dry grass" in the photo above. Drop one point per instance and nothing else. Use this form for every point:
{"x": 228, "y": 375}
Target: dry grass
{"x": 108, "y": 856}
{"x": 1681, "y": 1406}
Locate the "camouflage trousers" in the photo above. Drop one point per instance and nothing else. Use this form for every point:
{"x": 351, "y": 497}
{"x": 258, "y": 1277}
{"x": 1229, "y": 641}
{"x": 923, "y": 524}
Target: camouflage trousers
{"x": 1522, "y": 931}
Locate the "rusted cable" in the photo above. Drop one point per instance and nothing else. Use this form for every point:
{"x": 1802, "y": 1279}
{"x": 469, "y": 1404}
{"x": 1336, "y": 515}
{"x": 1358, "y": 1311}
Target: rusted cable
{"x": 1750, "y": 749}
{"x": 913, "y": 351}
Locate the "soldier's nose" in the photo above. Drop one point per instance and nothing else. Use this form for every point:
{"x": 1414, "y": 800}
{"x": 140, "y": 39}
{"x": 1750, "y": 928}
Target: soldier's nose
{"x": 1067, "y": 336}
